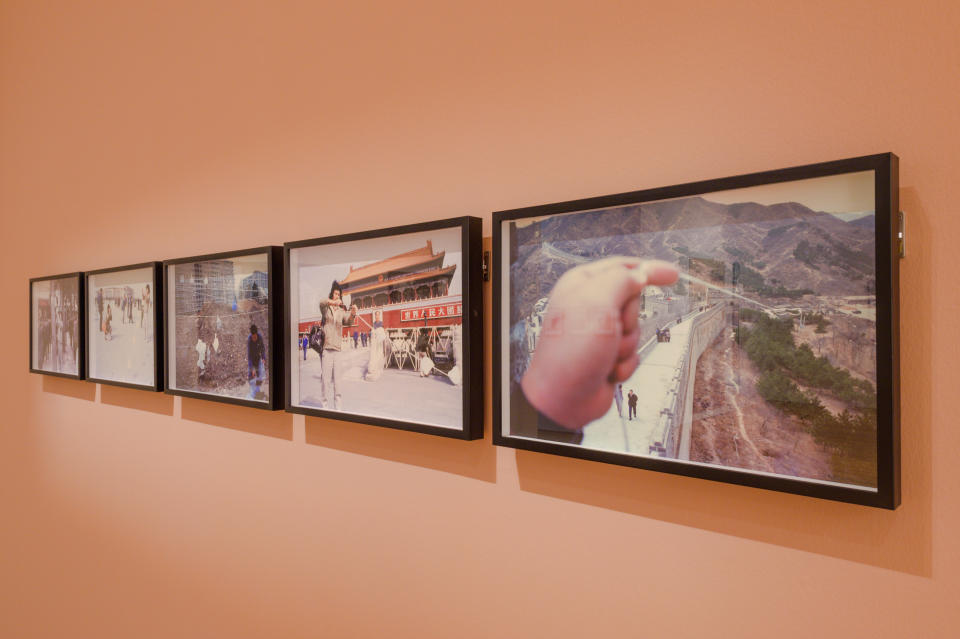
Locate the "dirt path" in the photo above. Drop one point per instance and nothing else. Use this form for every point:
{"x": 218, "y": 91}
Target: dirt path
{"x": 732, "y": 390}
{"x": 704, "y": 446}
{"x": 733, "y": 426}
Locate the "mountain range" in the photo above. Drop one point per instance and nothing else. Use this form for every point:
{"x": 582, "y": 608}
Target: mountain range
{"x": 782, "y": 249}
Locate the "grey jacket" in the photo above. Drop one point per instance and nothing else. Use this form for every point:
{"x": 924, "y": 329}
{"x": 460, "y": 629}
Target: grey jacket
{"x": 334, "y": 319}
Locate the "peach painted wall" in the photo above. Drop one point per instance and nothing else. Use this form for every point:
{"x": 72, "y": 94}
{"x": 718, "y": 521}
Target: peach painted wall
{"x": 135, "y": 130}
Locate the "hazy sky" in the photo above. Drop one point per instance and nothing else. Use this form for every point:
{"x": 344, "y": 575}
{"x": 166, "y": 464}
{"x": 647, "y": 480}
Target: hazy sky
{"x": 135, "y": 279}
{"x": 847, "y": 196}
{"x": 847, "y": 193}
{"x": 243, "y": 266}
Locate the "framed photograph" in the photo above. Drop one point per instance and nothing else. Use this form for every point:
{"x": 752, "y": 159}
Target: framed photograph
{"x": 56, "y": 325}
{"x": 743, "y": 330}
{"x": 123, "y": 335}
{"x": 221, "y": 313}
{"x": 385, "y": 327}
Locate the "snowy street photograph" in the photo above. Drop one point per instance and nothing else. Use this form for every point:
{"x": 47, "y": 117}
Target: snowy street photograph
{"x": 121, "y": 306}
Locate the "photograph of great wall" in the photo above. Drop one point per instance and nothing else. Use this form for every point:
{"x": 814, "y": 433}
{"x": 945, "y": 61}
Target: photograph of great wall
{"x": 760, "y": 357}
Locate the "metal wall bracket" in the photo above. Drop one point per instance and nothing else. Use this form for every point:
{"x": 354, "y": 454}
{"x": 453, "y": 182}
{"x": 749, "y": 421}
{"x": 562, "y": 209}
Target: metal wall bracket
{"x": 486, "y": 266}
{"x": 901, "y": 242}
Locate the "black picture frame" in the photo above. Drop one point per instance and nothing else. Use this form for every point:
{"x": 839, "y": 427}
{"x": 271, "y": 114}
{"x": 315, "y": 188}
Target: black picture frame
{"x": 470, "y": 230}
{"x": 81, "y": 328}
{"x": 275, "y": 375}
{"x": 157, "y": 283}
{"x": 886, "y": 200}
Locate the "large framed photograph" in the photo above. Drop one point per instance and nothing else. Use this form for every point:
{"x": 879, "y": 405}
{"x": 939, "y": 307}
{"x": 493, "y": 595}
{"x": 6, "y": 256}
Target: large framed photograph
{"x": 123, "y": 335}
{"x": 743, "y": 330}
{"x": 384, "y": 327}
{"x": 221, "y": 314}
{"x": 56, "y": 325}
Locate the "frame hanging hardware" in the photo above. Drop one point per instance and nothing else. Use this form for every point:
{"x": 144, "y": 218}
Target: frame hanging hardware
{"x": 486, "y": 266}
{"x": 901, "y": 242}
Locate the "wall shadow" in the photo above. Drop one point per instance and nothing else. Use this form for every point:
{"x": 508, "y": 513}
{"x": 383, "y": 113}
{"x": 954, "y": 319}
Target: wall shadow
{"x": 248, "y": 420}
{"x": 476, "y": 459}
{"x": 75, "y": 388}
{"x": 145, "y": 400}
{"x": 900, "y": 540}
{"x": 872, "y": 536}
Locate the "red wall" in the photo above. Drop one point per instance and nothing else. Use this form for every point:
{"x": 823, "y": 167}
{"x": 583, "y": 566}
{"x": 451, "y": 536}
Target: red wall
{"x": 152, "y": 130}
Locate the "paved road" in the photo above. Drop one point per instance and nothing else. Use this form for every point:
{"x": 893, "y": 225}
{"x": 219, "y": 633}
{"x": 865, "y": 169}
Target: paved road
{"x": 654, "y": 384}
{"x": 398, "y": 394}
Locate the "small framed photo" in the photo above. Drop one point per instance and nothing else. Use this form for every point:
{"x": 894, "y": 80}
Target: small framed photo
{"x": 56, "y": 325}
{"x": 124, "y": 336}
{"x": 384, "y": 327}
{"x": 221, "y": 314}
{"x": 742, "y": 330}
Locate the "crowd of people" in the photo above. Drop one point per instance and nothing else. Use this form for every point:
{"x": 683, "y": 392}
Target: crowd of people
{"x": 130, "y": 309}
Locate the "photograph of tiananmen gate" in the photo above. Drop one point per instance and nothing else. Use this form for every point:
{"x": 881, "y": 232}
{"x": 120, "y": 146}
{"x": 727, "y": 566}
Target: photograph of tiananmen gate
{"x": 398, "y": 355}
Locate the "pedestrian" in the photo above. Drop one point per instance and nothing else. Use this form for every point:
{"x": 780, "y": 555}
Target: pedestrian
{"x": 304, "y": 344}
{"x": 315, "y": 338}
{"x": 356, "y": 338}
{"x": 201, "y": 349}
{"x": 144, "y": 295}
{"x": 632, "y": 403}
{"x": 618, "y": 398}
{"x": 256, "y": 358}
{"x": 379, "y": 349}
{"x": 107, "y": 330}
{"x": 335, "y": 317}
{"x": 100, "y": 308}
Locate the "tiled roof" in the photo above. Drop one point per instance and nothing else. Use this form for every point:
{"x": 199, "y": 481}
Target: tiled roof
{"x": 413, "y": 277}
{"x": 395, "y": 263}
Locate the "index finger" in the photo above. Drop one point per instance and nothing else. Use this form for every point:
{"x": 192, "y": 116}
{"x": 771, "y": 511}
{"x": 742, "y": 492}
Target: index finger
{"x": 656, "y": 272}
{"x": 659, "y": 273}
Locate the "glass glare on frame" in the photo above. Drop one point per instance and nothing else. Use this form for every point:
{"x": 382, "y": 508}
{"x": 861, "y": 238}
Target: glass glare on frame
{"x": 376, "y": 327}
{"x": 219, "y": 329}
{"x": 761, "y": 357}
{"x": 55, "y": 323}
